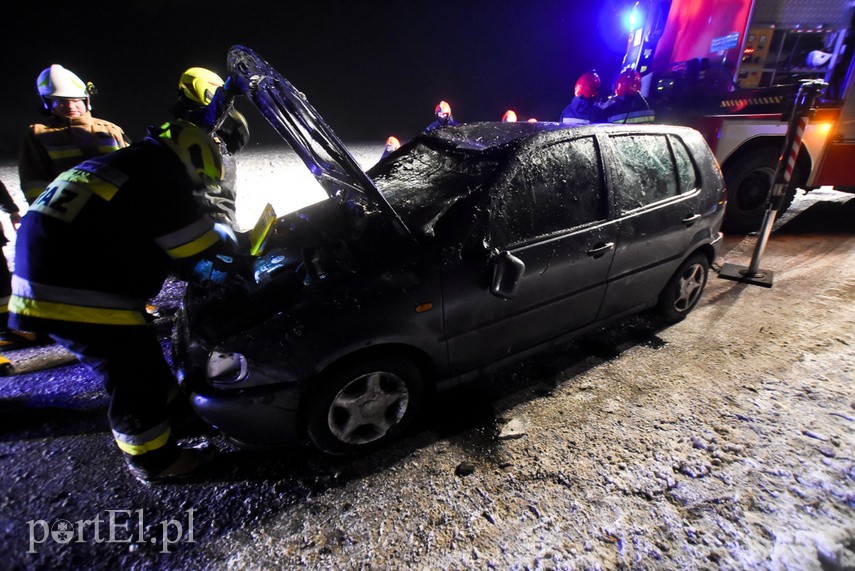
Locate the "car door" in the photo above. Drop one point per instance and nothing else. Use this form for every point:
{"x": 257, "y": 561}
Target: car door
{"x": 550, "y": 211}
{"x": 656, "y": 190}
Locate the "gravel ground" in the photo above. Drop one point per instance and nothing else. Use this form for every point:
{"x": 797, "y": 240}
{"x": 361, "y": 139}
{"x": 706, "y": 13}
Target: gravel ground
{"x": 723, "y": 442}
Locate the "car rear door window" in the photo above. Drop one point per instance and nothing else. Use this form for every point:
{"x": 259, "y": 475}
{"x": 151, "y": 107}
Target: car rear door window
{"x": 645, "y": 171}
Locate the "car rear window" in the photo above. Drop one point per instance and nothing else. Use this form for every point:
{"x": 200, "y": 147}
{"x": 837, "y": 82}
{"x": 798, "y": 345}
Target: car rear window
{"x": 687, "y": 173}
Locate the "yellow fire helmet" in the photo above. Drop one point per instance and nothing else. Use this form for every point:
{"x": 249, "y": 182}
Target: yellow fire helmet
{"x": 199, "y": 84}
{"x": 196, "y": 149}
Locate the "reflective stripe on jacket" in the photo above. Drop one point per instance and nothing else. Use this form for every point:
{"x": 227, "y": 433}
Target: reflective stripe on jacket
{"x": 76, "y": 305}
{"x": 102, "y": 238}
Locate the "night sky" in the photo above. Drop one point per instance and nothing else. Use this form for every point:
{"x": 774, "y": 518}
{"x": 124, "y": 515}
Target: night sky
{"x": 371, "y": 68}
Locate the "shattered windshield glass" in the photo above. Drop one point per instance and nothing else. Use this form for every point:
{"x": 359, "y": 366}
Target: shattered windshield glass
{"x": 424, "y": 182}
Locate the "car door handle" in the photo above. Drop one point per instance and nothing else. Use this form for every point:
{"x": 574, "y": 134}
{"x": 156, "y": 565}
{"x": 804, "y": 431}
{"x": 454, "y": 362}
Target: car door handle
{"x": 600, "y": 249}
{"x": 691, "y": 219}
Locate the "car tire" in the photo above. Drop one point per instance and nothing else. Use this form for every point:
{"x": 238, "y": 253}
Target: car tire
{"x": 684, "y": 289}
{"x": 361, "y": 407}
{"x": 749, "y": 181}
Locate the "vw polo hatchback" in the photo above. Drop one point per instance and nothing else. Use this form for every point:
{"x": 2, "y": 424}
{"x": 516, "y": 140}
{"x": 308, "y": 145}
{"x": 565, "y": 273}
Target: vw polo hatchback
{"x": 467, "y": 248}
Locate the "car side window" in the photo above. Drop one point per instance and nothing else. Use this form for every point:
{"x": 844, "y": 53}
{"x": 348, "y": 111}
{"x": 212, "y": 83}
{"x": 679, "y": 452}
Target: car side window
{"x": 566, "y": 186}
{"x": 554, "y": 188}
{"x": 645, "y": 171}
{"x": 686, "y": 172}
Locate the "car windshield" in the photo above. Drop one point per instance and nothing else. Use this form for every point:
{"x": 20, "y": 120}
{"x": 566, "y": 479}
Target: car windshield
{"x": 424, "y": 182}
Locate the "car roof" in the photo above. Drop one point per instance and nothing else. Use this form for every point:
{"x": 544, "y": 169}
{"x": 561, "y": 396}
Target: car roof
{"x": 490, "y": 136}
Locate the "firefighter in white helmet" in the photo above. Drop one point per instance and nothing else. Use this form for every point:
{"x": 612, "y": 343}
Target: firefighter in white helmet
{"x": 68, "y": 136}
{"x": 197, "y": 97}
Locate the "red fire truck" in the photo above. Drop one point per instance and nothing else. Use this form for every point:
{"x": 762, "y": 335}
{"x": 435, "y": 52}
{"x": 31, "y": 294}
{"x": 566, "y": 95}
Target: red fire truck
{"x": 731, "y": 69}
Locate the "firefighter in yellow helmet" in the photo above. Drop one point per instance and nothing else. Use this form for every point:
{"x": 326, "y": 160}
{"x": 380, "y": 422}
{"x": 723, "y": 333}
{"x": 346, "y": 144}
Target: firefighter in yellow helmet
{"x": 197, "y": 91}
{"x": 94, "y": 247}
{"x": 69, "y": 134}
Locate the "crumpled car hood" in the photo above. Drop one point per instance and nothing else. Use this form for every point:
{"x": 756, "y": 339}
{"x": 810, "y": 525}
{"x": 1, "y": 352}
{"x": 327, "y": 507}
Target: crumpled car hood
{"x": 290, "y": 114}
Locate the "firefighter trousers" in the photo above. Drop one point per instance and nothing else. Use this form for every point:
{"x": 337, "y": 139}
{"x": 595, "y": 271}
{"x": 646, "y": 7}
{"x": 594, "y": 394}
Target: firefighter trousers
{"x": 129, "y": 363}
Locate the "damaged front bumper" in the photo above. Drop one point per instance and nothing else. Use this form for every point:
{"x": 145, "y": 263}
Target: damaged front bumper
{"x": 249, "y": 404}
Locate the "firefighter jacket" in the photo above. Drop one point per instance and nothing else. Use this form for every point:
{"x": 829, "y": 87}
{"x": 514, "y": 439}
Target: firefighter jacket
{"x": 102, "y": 238}
{"x": 439, "y": 124}
{"x": 8, "y": 206}
{"x": 627, "y": 109}
{"x": 584, "y": 108}
{"x": 58, "y": 144}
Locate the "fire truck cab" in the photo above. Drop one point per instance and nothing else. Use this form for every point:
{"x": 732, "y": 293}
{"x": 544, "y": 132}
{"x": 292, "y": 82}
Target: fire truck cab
{"x": 732, "y": 68}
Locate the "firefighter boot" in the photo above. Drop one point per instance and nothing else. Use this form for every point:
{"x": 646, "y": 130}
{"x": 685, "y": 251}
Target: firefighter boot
{"x": 6, "y": 367}
{"x": 189, "y": 461}
{"x": 12, "y": 339}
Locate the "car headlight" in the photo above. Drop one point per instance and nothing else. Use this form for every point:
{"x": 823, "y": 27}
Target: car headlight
{"x": 226, "y": 368}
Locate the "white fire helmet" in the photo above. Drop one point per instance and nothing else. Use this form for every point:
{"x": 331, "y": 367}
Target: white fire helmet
{"x": 56, "y": 81}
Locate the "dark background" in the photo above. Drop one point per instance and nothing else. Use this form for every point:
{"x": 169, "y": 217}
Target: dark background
{"x": 372, "y": 69}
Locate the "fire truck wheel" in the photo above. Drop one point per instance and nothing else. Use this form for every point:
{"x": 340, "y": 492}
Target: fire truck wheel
{"x": 749, "y": 181}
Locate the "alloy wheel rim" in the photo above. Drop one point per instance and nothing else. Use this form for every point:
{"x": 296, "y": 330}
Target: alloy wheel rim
{"x": 689, "y": 287}
{"x": 368, "y": 407}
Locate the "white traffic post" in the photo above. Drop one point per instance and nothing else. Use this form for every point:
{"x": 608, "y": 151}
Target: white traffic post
{"x": 802, "y": 108}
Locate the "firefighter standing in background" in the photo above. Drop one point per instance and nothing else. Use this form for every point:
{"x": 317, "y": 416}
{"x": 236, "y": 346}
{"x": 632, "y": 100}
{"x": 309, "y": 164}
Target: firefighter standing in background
{"x": 9, "y": 338}
{"x": 196, "y": 89}
{"x": 443, "y": 117}
{"x": 392, "y": 145}
{"x": 584, "y": 107}
{"x": 89, "y": 254}
{"x": 68, "y": 136}
{"x": 627, "y": 105}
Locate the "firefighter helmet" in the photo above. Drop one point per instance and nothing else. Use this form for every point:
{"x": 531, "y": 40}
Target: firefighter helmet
{"x": 442, "y": 110}
{"x": 588, "y": 85}
{"x": 56, "y": 81}
{"x": 818, "y": 58}
{"x": 510, "y": 116}
{"x": 199, "y": 84}
{"x": 195, "y": 148}
{"x": 628, "y": 83}
{"x": 392, "y": 144}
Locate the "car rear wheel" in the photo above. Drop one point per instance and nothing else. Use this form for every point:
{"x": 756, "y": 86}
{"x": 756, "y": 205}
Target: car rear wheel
{"x": 684, "y": 289}
{"x": 362, "y": 407}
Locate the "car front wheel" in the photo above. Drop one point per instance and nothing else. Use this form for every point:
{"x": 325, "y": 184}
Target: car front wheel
{"x": 361, "y": 407}
{"x": 684, "y": 289}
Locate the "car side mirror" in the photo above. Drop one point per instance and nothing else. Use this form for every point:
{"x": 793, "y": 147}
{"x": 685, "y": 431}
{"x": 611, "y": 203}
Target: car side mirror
{"x": 508, "y": 270}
